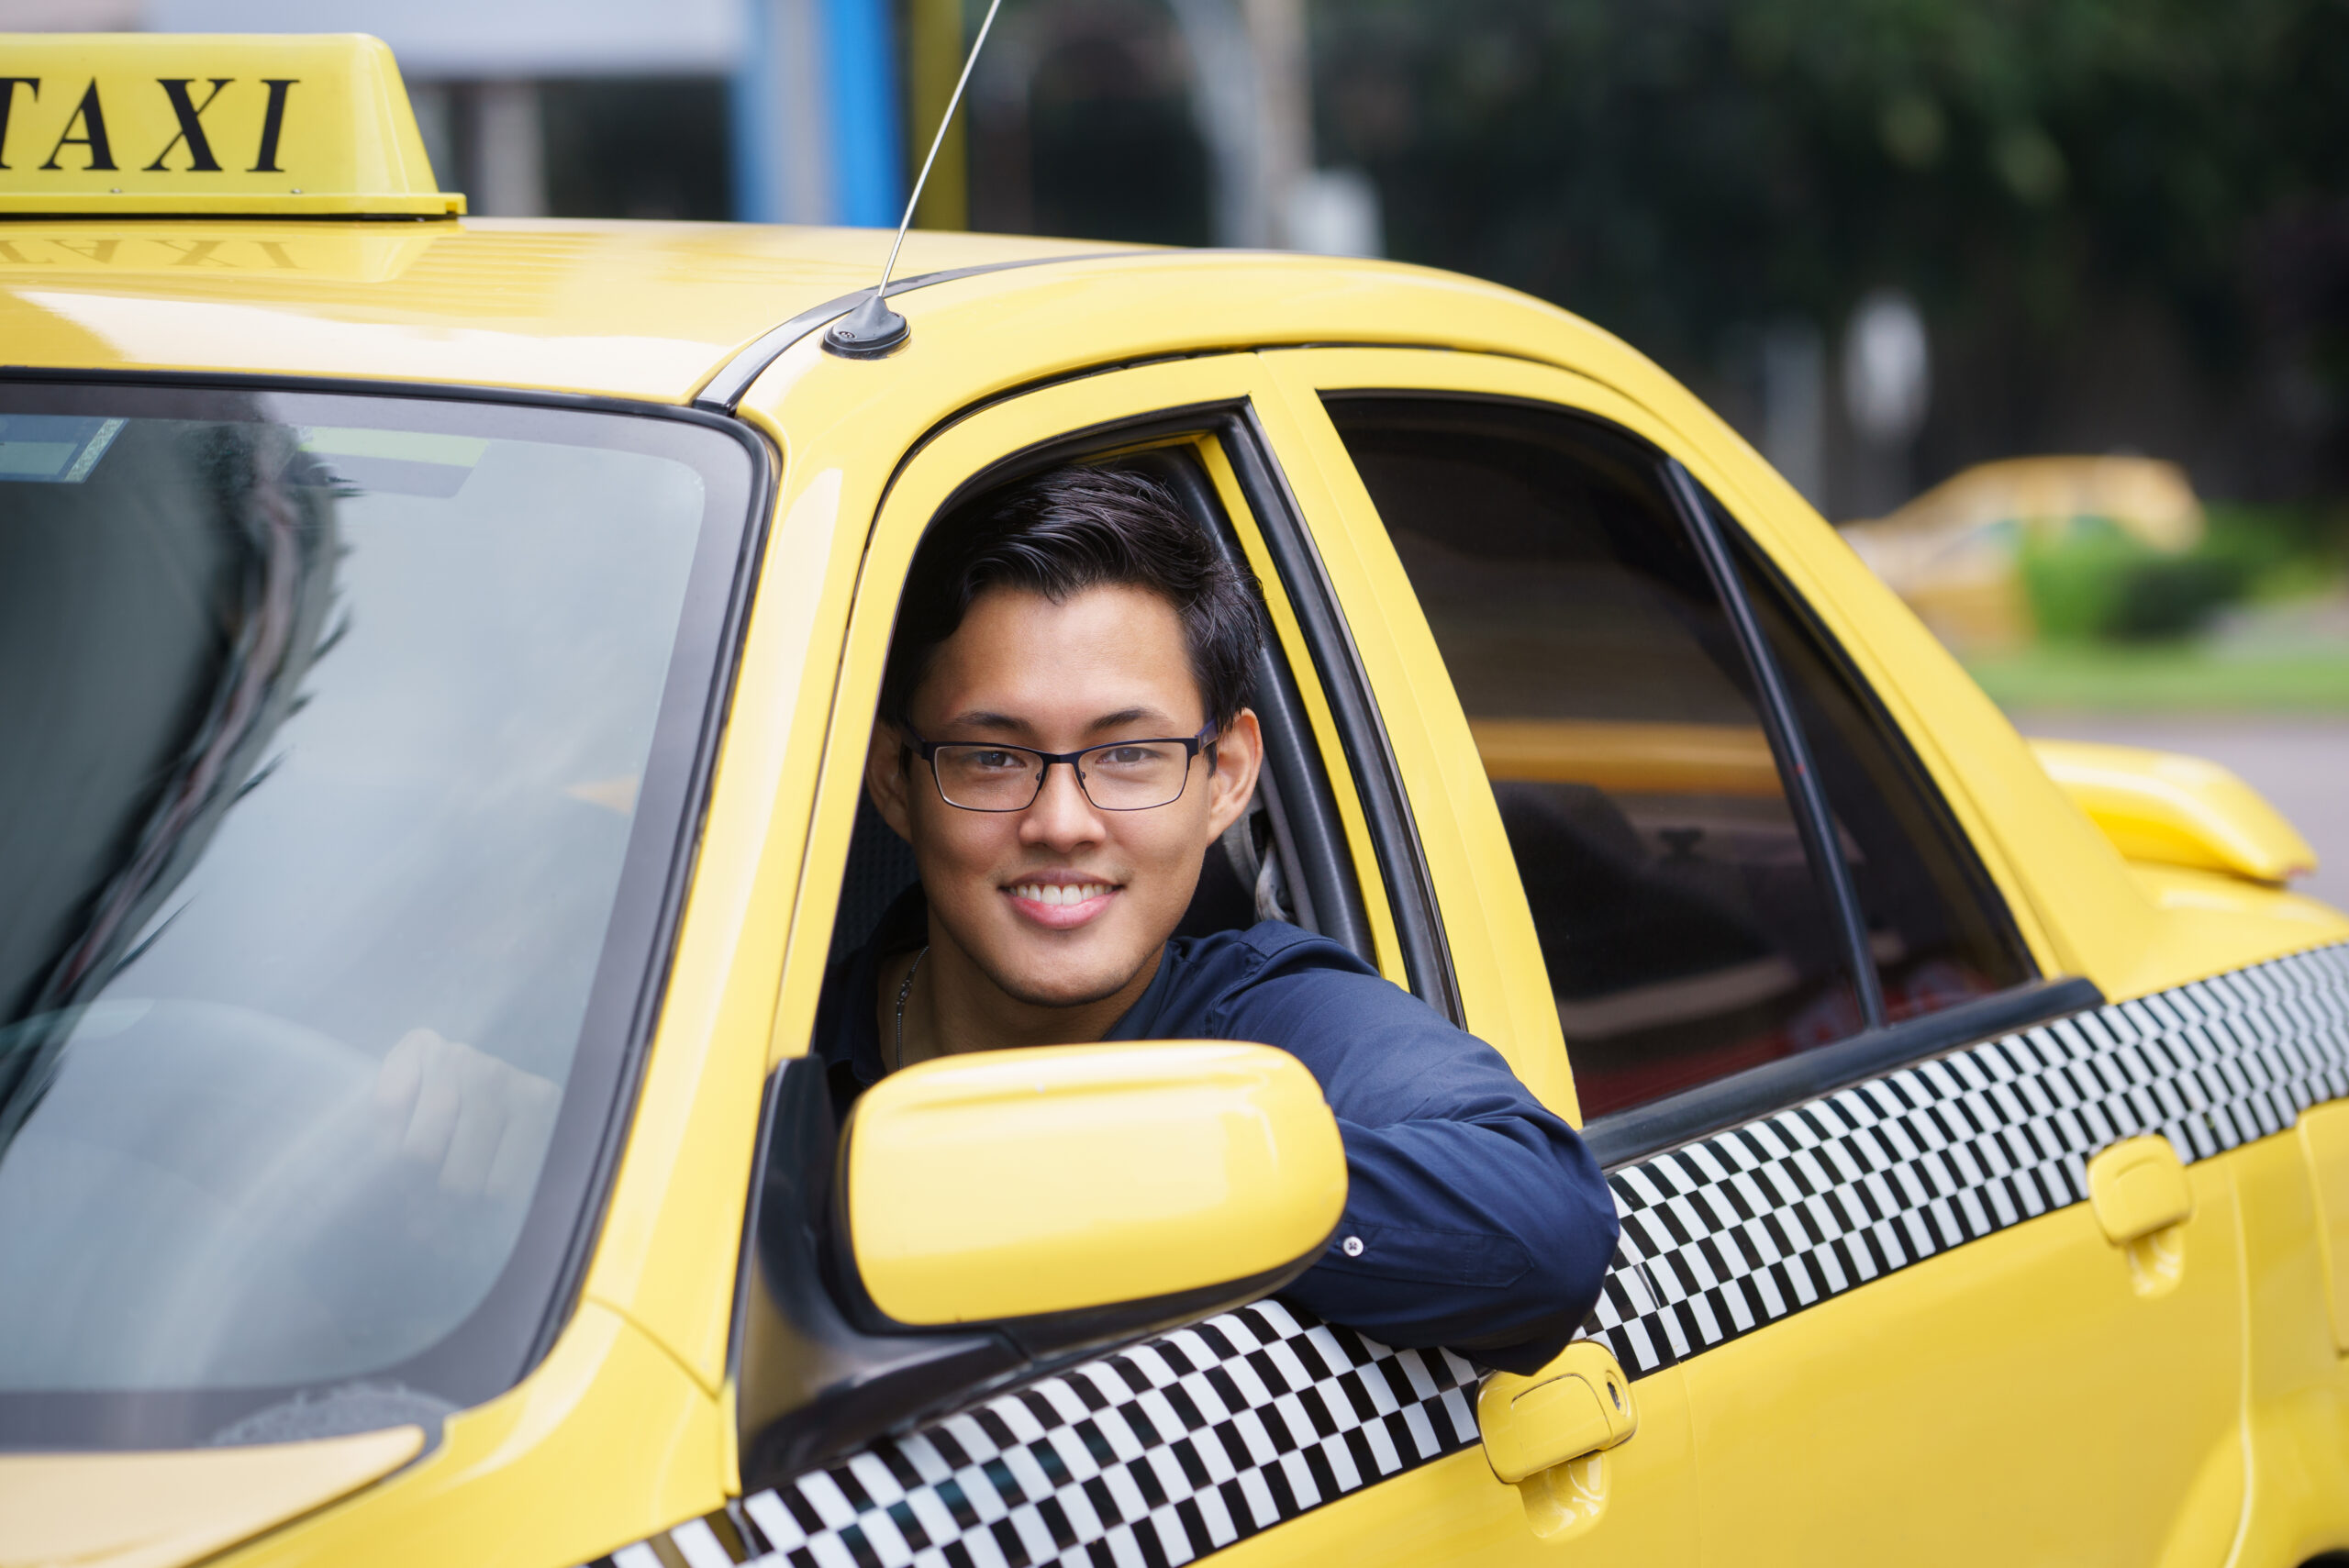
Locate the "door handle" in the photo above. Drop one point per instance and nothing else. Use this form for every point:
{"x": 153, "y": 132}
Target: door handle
{"x": 2137, "y": 1188}
{"x": 1578, "y": 1404}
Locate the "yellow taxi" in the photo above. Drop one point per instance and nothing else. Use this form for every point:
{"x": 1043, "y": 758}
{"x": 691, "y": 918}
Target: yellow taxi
{"x": 439, "y": 651}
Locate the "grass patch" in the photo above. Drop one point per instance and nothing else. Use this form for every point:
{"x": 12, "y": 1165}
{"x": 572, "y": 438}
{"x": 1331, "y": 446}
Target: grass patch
{"x": 2167, "y": 677}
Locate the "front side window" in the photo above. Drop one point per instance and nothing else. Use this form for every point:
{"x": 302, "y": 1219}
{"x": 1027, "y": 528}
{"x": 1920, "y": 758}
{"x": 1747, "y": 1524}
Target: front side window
{"x": 1686, "y": 931}
{"x": 345, "y": 745}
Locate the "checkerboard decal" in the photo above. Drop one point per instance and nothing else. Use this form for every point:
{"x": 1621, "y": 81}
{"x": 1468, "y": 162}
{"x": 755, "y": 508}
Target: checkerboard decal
{"x": 1175, "y": 1449}
{"x": 1741, "y": 1229}
{"x": 1153, "y": 1456}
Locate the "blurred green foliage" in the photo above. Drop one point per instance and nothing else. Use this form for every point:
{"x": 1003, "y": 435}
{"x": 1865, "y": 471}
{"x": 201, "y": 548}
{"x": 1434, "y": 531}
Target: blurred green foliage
{"x": 2098, "y": 584}
{"x": 2095, "y": 583}
{"x": 1678, "y": 169}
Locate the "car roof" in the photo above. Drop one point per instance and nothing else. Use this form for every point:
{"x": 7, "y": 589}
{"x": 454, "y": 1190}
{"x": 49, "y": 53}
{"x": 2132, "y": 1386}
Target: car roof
{"x": 630, "y": 309}
{"x": 691, "y": 313}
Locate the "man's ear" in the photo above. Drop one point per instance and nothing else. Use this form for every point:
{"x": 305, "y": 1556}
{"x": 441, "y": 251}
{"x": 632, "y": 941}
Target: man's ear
{"x": 1238, "y": 753}
{"x": 887, "y": 773}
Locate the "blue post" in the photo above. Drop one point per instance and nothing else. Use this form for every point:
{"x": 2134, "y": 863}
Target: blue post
{"x": 754, "y": 111}
{"x": 868, "y": 148}
{"x": 815, "y": 114}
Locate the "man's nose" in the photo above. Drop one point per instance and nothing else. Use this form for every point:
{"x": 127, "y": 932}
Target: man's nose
{"x": 1061, "y": 816}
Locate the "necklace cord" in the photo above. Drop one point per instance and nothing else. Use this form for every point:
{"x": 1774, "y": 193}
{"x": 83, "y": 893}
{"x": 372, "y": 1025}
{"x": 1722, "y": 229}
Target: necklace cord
{"x": 904, "y": 989}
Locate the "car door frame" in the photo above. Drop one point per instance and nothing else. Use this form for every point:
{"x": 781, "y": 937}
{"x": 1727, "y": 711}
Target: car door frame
{"x": 1410, "y": 678}
{"x": 1219, "y": 400}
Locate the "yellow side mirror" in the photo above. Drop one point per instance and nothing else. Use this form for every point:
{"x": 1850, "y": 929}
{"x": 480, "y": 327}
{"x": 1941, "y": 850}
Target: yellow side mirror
{"x": 1064, "y": 1178}
{"x": 2176, "y": 810}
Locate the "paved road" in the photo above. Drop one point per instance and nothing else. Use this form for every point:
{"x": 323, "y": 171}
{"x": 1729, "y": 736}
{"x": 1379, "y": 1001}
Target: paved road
{"x": 2299, "y": 764}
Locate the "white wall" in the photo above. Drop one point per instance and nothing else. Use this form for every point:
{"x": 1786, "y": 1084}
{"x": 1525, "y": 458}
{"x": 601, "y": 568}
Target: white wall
{"x": 496, "y": 39}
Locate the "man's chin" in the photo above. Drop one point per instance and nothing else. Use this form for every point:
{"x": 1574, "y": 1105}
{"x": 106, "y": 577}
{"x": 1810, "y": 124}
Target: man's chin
{"x": 1081, "y": 994}
{"x": 1053, "y": 982}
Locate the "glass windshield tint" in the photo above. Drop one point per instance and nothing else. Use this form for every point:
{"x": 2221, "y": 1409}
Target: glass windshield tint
{"x": 344, "y": 746}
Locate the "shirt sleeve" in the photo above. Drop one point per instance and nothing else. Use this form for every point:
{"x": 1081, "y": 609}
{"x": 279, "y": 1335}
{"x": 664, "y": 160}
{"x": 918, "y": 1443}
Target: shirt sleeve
{"x": 1475, "y": 1217}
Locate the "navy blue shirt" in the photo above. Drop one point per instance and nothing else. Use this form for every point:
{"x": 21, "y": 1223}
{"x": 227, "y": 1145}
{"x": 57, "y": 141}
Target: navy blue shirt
{"x": 1484, "y": 1224}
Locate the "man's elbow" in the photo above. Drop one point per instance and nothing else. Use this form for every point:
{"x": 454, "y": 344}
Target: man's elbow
{"x": 1573, "y": 1262}
{"x": 1568, "y": 1245}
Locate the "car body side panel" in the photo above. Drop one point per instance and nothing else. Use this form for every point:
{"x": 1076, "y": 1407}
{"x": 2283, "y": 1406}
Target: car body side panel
{"x": 621, "y": 1430}
{"x": 1916, "y": 1256}
{"x": 1886, "y": 1324}
{"x": 1915, "y": 1259}
{"x": 2297, "y": 1400}
{"x": 2013, "y": 1397}
{"x": 1202, "y": 1444}
{"x": 1632, "y": 1505}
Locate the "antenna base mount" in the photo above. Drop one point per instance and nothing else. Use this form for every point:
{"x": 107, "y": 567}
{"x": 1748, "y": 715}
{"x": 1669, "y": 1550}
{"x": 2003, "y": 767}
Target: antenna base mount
{"x": 871, "y": 331}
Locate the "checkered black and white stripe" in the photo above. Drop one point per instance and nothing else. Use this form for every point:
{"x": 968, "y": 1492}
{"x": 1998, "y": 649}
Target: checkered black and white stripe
{"x": 1153, "y": 1456}
{"x": 1741, "y": 1229}
{"x": 1176, "y": 1449}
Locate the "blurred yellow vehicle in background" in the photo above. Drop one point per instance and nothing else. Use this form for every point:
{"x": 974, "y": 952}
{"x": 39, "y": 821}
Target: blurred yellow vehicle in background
{"x": 1955, "y": 553}
{"x": 437, "y": 663}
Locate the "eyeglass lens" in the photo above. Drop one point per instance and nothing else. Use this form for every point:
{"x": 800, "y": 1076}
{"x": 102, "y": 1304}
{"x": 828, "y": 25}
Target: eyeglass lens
{"x": 1130, "y": 776}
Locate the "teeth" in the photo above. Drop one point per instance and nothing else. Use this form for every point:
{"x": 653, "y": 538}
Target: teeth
{"x": 1052, "y": 894}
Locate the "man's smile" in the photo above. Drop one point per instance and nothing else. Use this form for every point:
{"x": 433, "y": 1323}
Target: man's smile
{"x": 1060, "y": 900}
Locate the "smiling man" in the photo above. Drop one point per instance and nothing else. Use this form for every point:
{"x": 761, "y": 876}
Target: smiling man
{"x": 1065, "y": 733}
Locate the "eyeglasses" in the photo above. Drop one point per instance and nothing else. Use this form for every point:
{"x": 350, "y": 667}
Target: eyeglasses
{"x": 1124, "y": 775}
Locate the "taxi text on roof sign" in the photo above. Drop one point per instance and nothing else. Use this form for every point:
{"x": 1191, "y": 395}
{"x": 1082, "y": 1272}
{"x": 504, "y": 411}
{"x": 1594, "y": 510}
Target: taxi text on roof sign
{"x": 209, "y": 125}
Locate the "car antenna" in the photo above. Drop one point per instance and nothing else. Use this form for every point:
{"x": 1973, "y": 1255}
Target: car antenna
{"x": 872, "y": 330}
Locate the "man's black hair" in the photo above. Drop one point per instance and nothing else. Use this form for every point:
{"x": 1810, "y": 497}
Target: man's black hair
{"x": 1060, "y": 533}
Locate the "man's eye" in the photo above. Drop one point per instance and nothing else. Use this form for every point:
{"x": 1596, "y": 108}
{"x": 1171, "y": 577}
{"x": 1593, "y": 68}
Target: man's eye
{"x": 994, "y": 761}
{"x": 1131, "y": 756}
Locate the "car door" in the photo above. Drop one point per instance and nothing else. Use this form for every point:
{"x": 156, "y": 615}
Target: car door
{"x": 1847, "y": 1113}
{"x": 1259, "y": 1433}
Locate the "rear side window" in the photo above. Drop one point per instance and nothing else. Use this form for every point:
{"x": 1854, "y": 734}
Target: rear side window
{"x": 1685, "y": 932}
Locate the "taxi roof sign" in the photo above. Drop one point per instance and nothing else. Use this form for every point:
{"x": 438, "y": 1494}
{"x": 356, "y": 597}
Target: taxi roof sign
{"x": 209, "y": 125}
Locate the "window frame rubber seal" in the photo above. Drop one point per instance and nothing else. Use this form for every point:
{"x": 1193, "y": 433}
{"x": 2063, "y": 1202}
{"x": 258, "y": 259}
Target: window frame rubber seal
{"x": 1625, "y": 1136}
{"x": 1787, "y": 739}
{"x": 1353, "y": 703}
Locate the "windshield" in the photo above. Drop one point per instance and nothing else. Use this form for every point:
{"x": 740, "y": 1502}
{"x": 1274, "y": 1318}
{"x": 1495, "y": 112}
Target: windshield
{"x": 346, "y": 747}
